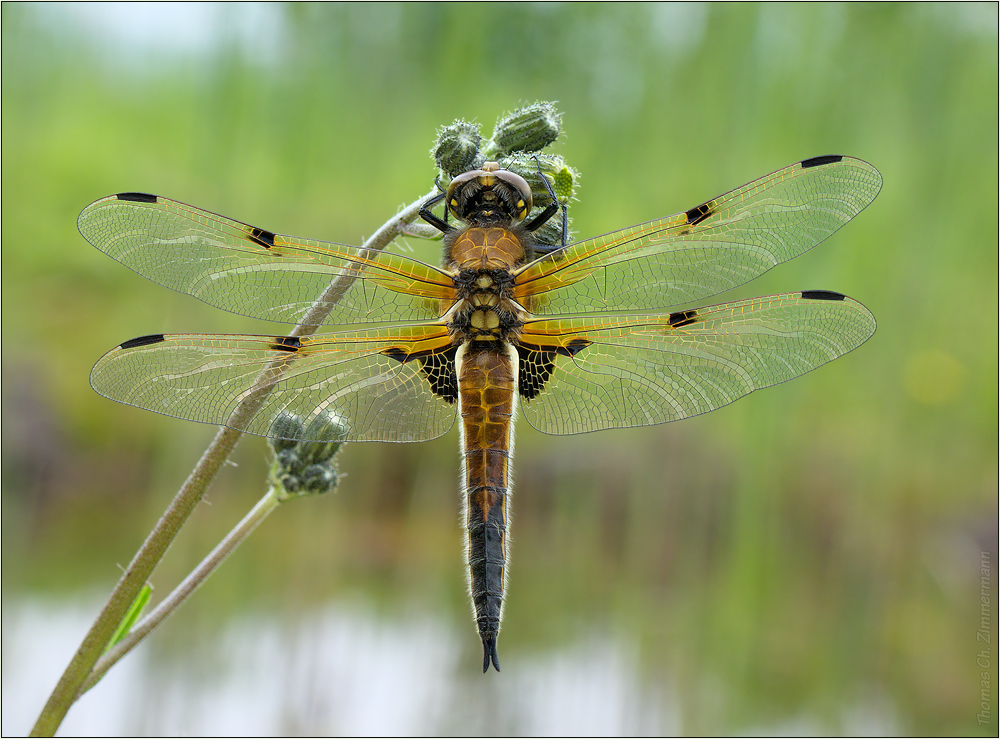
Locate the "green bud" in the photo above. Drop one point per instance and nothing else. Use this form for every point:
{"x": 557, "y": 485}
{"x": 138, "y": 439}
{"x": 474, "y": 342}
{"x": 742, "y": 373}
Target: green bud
{"x": 564, "y": 182}
{"x": 527, "y": 129}
{"x": 306, "y": 466}
{"x": 318, "y": 479}
{"x": 457, "y": 148}
{"x": 314, "y": 479}
{"x": 288, "y": 460}
{"x": 285, "y": 430}
{"x": 560, "y": 177}
{"x": 533, "y": 166}
{"x": 325, "y": 433}
{"x": 290, "y": 485}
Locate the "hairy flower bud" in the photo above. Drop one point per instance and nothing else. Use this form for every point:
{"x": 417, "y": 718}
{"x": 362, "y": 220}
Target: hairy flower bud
{"x": 527, "y": 129}
{"x": 457, "y": 148}
{"x": 560, "y": 178}
{"x": 306, "y": 466}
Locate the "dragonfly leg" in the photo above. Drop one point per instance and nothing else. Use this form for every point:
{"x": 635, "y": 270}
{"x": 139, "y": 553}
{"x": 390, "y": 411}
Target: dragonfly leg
{"x": 542, "y": 218}
{"x": 425, "y": 213}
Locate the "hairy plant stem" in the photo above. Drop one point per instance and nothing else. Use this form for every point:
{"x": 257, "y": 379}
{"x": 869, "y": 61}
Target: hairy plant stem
{"x": 190, "y": 583}
{"x": 78, "y": 672}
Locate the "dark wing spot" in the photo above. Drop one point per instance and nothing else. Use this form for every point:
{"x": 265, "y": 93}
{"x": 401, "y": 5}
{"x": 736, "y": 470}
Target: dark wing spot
{"x": 819, "y": 161}
{"x": 536, "y": 365}
{"x": 700, "y": 213}
{"x": 136, "y": 197}
{"x": 683, "y": 318}
{"x": 398, "y": 354}
{"x": 142, "y": 341}
{"x": 574, "y": 347}
{"x": 286, "y": 344}
{"x": 439, "y": 369}
{"x": 821, "y": 295}
{"x": 262, "y": 237}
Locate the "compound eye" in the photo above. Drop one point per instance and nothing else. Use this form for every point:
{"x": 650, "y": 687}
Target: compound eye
{"x": 453, "y": 205}
{"x": 453, "y": 194}
{"x": 521, "y": 187}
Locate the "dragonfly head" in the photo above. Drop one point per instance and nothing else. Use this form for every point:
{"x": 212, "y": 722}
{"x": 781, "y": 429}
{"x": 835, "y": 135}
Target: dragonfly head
{"x": 491, "y": 195}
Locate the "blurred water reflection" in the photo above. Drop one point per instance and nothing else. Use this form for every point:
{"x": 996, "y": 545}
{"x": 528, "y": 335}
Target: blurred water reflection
{"x": 344, "y": 670}
{"x": 339, "y": 670}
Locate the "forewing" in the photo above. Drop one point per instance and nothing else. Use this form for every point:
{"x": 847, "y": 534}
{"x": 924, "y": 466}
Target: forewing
{"x": 370, "y": 380}
{"x": 254, "y": 272}
{"x": 621, "y": 371}
{"x": 713, "y": 247}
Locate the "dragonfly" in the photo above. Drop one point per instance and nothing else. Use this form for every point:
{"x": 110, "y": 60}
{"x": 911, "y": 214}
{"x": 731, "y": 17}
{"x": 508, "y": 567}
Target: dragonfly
{"x": 579, "y": 337}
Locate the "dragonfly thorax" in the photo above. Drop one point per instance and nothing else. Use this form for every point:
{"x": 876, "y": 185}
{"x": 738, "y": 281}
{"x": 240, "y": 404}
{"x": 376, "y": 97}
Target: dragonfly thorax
{"x": 485, "y": 310}
{"x": 481, "y": 324}
{"x": 479, "y": 249}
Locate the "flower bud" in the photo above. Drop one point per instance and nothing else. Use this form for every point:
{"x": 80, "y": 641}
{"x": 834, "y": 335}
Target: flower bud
{"x": 457, "y": 148}
{"x": 317, "y": 479}
{"x": 527, "y": 129}
{"x": 306, "y": 466}
{"x": 288, "y": 460}
{"x": 559, "y": 176}
{"x": 285, "y": 430}
{"x": 564, "y": 182}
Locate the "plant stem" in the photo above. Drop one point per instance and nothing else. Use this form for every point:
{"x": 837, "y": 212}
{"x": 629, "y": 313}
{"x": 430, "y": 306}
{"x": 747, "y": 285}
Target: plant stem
{"x": 191, "y": 583}
{"x": 70, "y": 685}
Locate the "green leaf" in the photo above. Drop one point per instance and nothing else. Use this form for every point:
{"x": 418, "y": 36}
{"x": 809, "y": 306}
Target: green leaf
{"x": 134, "y": 611}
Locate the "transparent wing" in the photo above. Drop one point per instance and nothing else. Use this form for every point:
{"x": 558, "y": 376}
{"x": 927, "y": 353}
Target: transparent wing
{"x": 253, "y": 272}
{"x": 621, "y": 371}
{"x": 371, "y": 380}
{"x": 713, "y": 247}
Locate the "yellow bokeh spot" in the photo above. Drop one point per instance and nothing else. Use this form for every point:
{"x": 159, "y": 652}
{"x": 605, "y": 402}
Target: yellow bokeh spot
{"x": 933, "y": 377}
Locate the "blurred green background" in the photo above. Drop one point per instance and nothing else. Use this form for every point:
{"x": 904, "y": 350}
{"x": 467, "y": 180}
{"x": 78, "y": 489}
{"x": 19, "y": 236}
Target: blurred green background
{"x": 806, "y": 560}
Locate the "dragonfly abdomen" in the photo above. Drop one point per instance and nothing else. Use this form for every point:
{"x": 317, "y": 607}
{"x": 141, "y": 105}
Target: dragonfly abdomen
{"x": 487, "y": 398}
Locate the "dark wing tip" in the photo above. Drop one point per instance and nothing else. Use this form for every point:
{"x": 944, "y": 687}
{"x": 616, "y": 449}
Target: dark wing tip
{"x": 142, "y": 341}
{"x": 822, "y": 295}
{"x": 490, "y": 652}
{"x": 818, "y": 161}
{"x": 136, "y": 197}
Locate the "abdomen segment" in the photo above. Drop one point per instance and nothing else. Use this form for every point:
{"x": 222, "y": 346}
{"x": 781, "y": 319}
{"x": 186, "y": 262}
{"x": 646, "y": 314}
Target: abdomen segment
{"x": 487, "y": 390}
